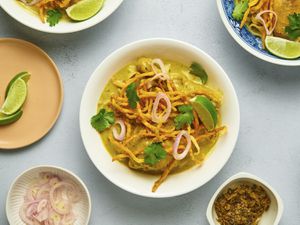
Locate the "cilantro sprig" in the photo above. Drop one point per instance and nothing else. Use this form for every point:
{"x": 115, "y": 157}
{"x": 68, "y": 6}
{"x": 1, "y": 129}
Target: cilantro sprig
{"x": 185, "y": 117}
{"x": 132, "y": 96}
{"x": 102, "y": 120}
{"x": 154, "y": 153}
{"x": 240, "y": 8}
{"x": 198, "y": 71}
{"x": 53, "y": 17}
{"x": 293, "y": 29}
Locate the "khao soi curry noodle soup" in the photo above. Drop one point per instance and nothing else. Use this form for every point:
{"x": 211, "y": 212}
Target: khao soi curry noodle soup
{"x": 159, "y": 117}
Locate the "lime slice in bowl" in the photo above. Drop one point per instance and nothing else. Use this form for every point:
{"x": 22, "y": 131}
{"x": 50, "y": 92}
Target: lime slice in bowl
{"x": 283, "y": 48}
{"x": 5, "y": 120}
{"x": 84, "y": 9}
{"x": 15, "y": 98}
{"x": 23, "y": 75}
{"x": 206, "y": 111}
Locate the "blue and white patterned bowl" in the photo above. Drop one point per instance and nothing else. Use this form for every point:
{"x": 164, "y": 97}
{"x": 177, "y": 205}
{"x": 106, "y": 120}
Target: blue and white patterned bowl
{"x": 245, "y": 39}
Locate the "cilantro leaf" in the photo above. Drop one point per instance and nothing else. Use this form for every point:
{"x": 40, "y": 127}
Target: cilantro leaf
{"x": 102, "y": 120}
{"x": 154, "y": 153}
{"x": 54, "y": 16}
{"x": 186, "y": 116}
{"x": 240, "y": 9}
{"x": 293, "y": 30}
{"x": 132, "y": 96}
{"x": 198, "y": 70}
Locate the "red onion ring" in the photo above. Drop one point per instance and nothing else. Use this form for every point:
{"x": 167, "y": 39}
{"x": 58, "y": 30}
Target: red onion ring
{"x": 119, "y": 136}
{"x": 49, "y": 201}
{"x": 180, "y": 156}
{"x": 164, "y": 74}
{"x": 42, "y": 204}
{"x": 259, "y": 17}
{"x": 161, "y": 66}
{"x": 164, "y": 118}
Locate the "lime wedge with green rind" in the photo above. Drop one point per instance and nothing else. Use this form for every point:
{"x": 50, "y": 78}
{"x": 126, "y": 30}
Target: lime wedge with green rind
{"x": 84, "y": 9}
{"x": 206, "y": 111}
{"x": 283, "y": 48}
{"x": 15, "y": 98}
{"x": 23, "y": 75}
{"x": 5, "y": 120}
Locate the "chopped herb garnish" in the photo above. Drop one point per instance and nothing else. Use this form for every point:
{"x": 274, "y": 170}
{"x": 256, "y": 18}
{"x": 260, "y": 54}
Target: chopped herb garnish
{"x": 198, "y": 70}
{"x": 132, "y": 96}
{"x": 103, "y": 120}
{"x": 154, "y": 153}
{"x": 293, "y": 30}
{"x": 185, "y": 117}
{"x": 239, "y": 10}
{"x": 54, "y": 16}
{"x": 242, "y": 204}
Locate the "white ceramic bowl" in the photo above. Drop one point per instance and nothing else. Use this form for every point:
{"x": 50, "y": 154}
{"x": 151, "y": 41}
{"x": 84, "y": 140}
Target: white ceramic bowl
{"x": 136, "y": 182}
{"x": 272, "y": 216}
{"x": 17, "y": 191}
{"x": 247, "y": 40}
{"x": 28, "y": 18}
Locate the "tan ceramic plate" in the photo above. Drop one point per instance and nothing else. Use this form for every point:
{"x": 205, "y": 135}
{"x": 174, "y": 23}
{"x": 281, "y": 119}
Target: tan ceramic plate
{"x": 45, "y": 92}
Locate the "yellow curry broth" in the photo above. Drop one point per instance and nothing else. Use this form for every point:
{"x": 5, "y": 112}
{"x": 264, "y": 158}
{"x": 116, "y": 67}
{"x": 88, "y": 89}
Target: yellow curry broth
{"x": 184, "y": 82}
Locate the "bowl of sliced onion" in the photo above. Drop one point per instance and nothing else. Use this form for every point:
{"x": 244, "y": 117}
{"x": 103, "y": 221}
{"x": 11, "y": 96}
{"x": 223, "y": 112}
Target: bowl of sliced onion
{"x": 48, "y": 195}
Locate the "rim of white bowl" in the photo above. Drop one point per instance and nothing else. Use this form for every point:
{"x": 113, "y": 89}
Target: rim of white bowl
{"x": 57, "y": 30}
{"x": 249, "y": 176}
{"x": 124, "y": 48}
{"x": 55, "y": 168}
{"x": 250, "y": 49}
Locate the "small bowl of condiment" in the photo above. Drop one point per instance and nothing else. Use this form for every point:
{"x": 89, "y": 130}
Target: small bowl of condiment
{"x": 245, "y": 199}
{"x": 48, "y": 195}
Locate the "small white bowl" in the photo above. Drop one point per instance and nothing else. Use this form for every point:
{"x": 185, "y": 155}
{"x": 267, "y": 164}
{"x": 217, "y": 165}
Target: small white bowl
{"x": 136, "y": 182}
{"x": 18, "y": 189}
{"x": 272, "y": 216}
{"x": 30, "y": 19}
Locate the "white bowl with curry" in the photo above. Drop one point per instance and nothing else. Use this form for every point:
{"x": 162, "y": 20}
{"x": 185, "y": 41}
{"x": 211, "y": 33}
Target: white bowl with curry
{"x": 159, "y": 118}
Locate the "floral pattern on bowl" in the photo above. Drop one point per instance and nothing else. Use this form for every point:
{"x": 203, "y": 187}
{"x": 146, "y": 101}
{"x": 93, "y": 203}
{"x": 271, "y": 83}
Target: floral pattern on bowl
{"x": 249, "y": 39}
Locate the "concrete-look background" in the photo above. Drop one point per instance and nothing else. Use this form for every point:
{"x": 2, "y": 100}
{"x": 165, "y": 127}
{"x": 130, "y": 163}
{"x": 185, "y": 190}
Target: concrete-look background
{"x": 269, "y": 96}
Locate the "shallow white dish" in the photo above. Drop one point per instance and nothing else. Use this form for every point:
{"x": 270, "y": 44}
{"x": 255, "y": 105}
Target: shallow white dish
{"x": 272, "y": 216}
{"x": 17, "y": 191}
{"x": 245, "y": 39}
{"x": 28, "y": 18}
{"x": 138, "y": 183}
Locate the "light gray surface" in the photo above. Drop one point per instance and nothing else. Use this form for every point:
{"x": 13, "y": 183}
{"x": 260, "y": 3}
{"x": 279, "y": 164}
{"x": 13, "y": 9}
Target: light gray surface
{"x": 269, "y": 141}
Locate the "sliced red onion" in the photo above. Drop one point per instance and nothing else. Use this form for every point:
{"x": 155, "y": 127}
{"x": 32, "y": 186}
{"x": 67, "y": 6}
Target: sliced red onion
{"x": 164, "y": 73}
{"x": 155, "y": 117}
{"x": 161, "y": 65}
{"x": 119, "y": 136}
{"x": 42, "y": 204}
{"x": 49, "y": 201}
{"x": 60, "y": 205}
{"x": 161, "y": 76}
{"x": 180, "y": 156}
{"x": 259, "y": 17}
{"x": 24, "y": 217}
{"x": 42, "y": 215}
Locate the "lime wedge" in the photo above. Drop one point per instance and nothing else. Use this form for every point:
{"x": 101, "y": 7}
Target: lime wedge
{"x": 283, "y": 48}
{"x": 16, "y": 97}
{"x": 23, "y": 75}
{"x": 5, "y": 120}
{"x": 206, "y": 111}
{"x": 84, "y": 9}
